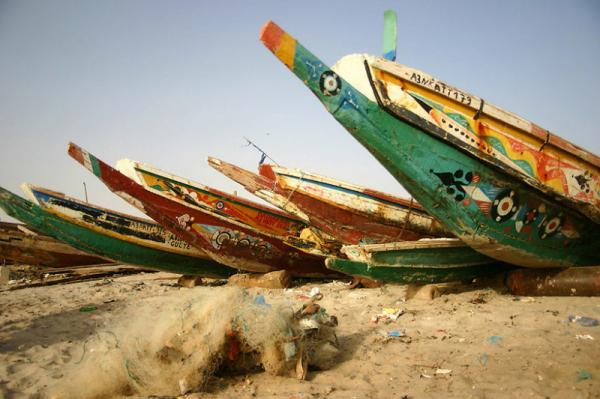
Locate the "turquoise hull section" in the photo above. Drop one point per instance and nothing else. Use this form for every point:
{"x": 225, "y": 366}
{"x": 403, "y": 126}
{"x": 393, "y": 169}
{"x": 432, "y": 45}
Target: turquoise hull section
{"x": 492, "y": 212}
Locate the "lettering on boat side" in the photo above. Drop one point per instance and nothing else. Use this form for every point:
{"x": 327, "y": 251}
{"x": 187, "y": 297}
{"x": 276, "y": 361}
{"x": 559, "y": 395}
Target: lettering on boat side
{"x": 330, "y": 83}
{"x": 441, "y": 87}
{"x": 105, "y": 220}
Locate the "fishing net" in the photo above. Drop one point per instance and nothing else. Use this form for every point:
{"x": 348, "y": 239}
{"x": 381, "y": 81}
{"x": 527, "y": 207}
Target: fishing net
{"x": 171, "y": 345}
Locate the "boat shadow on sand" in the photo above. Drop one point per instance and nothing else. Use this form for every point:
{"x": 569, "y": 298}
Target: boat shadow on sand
{"x": 70, "y": 327}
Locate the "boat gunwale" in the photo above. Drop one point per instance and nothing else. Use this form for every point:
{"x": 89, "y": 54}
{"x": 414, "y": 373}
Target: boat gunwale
{"x": 492, "y": 111}
{"x": 164, "y": 247}
{"x": 440, "y": 134}
{"x": 433, "y": 243}
{"x": 80, "y": 202}
{"x": 158, "y": 173}
{"x": 353, "y": 189}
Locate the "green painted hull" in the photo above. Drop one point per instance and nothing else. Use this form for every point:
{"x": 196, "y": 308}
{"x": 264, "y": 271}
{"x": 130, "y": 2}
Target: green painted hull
{"x": 494, "y": 213}
{"x": 106, "y": 246}
{"x": 419, "y": 262}
{"x": 444, "y": 257}
{"x": 410, "y": 274}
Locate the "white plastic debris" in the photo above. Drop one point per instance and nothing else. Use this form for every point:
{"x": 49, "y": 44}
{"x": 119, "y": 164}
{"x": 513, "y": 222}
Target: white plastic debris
{"x": 443, "y": 371}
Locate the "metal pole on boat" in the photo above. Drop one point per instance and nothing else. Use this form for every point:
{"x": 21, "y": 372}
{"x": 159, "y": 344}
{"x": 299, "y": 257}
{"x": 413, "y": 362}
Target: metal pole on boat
{"x": 85, "y": 191}
{"x": 264, "y": 154}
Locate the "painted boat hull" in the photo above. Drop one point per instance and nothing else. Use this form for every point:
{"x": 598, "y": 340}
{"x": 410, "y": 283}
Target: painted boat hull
{"x": 339, "y": 222}
{"x": 377, "y": 216}
{"x": 493, "y": 212}
{"x": 108, "y": 246}
{"x": 445, "y": 252}
{"x": 569, "y": 174}
{"x": 409, "y": 274}
{"x": 18, "y": 247}
{"x": 255, "y": 215}
{"x": 228, "y": 242}
{"x": 416, "y": 262}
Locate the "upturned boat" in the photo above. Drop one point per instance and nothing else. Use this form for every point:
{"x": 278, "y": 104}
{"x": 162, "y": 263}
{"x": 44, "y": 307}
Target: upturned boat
{"x": 349, "y": 213}
{"x": 266, "y": 219}
{"x": 415, "y": 262}
{"x": 119, "y": 237}
{"x": 20, "y": 245}
{"x": 488, "y": 204}
{"x": 226, "y": 240}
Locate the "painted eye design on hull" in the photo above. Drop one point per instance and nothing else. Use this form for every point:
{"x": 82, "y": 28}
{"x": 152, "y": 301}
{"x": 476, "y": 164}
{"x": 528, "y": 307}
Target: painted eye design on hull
{"x": 244, "y": 242}
{"x": 505, "y": 206}
{"x": 219, "y": 205}
{"x": 550, "y": 226}
{"x": 330, "y": 83}
{"x": 220, "y": 238}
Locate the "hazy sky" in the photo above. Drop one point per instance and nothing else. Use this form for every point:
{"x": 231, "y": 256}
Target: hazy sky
{"x": 171, "y": 82}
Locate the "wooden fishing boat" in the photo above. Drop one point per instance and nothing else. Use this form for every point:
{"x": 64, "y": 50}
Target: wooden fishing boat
{"x": 19, "y": 245}
{"x": 266, "y": 219}
{"x": 226, "y": 240}
{"x": 493, "y": 209}
{"x": 351, "y": 214}
{"x": 109, "y": 234}
{"x": 415, "y": 262}
{"x": 311, "y": 239}
{"x": 264, "y": 187}
{"x": 409, "y": 219}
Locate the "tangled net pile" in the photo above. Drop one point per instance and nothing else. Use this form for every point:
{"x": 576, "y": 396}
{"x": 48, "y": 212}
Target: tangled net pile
{"x": 171, "y": 345}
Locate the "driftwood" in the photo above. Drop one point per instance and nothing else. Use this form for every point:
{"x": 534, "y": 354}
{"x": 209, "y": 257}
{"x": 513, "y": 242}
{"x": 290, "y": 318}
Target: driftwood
{"x": 83, "y": 274}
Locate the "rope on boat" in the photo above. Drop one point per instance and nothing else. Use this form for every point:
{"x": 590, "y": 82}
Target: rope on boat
{"x": 545, "y": 141}
{"x": 287, "y": 201}
{"x": 406, "y": 218}
{"x": 480, "y": 110}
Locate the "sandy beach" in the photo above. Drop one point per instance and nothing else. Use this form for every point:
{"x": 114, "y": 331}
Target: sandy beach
{"x": 470, "y": 342}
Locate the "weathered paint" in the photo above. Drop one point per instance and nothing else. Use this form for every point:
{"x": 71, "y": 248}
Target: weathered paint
{"x": 493, "y": 212}
{"x": 263, "y": 187}
{"x": 410, "y": 274}
{"x": 443, "y": 252}
{"x": 225, "y": 240}
{"x": 423, "y": 261}
{"x": 541, "y": 159}
{"x": 255, "y": 215}
{"x": 105, "y": 221}
{"x": 347, "y": 225}
{"x": 376, "y": 206}
{"x": 99, "y": 242}
{"x": 20, "y": 247}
